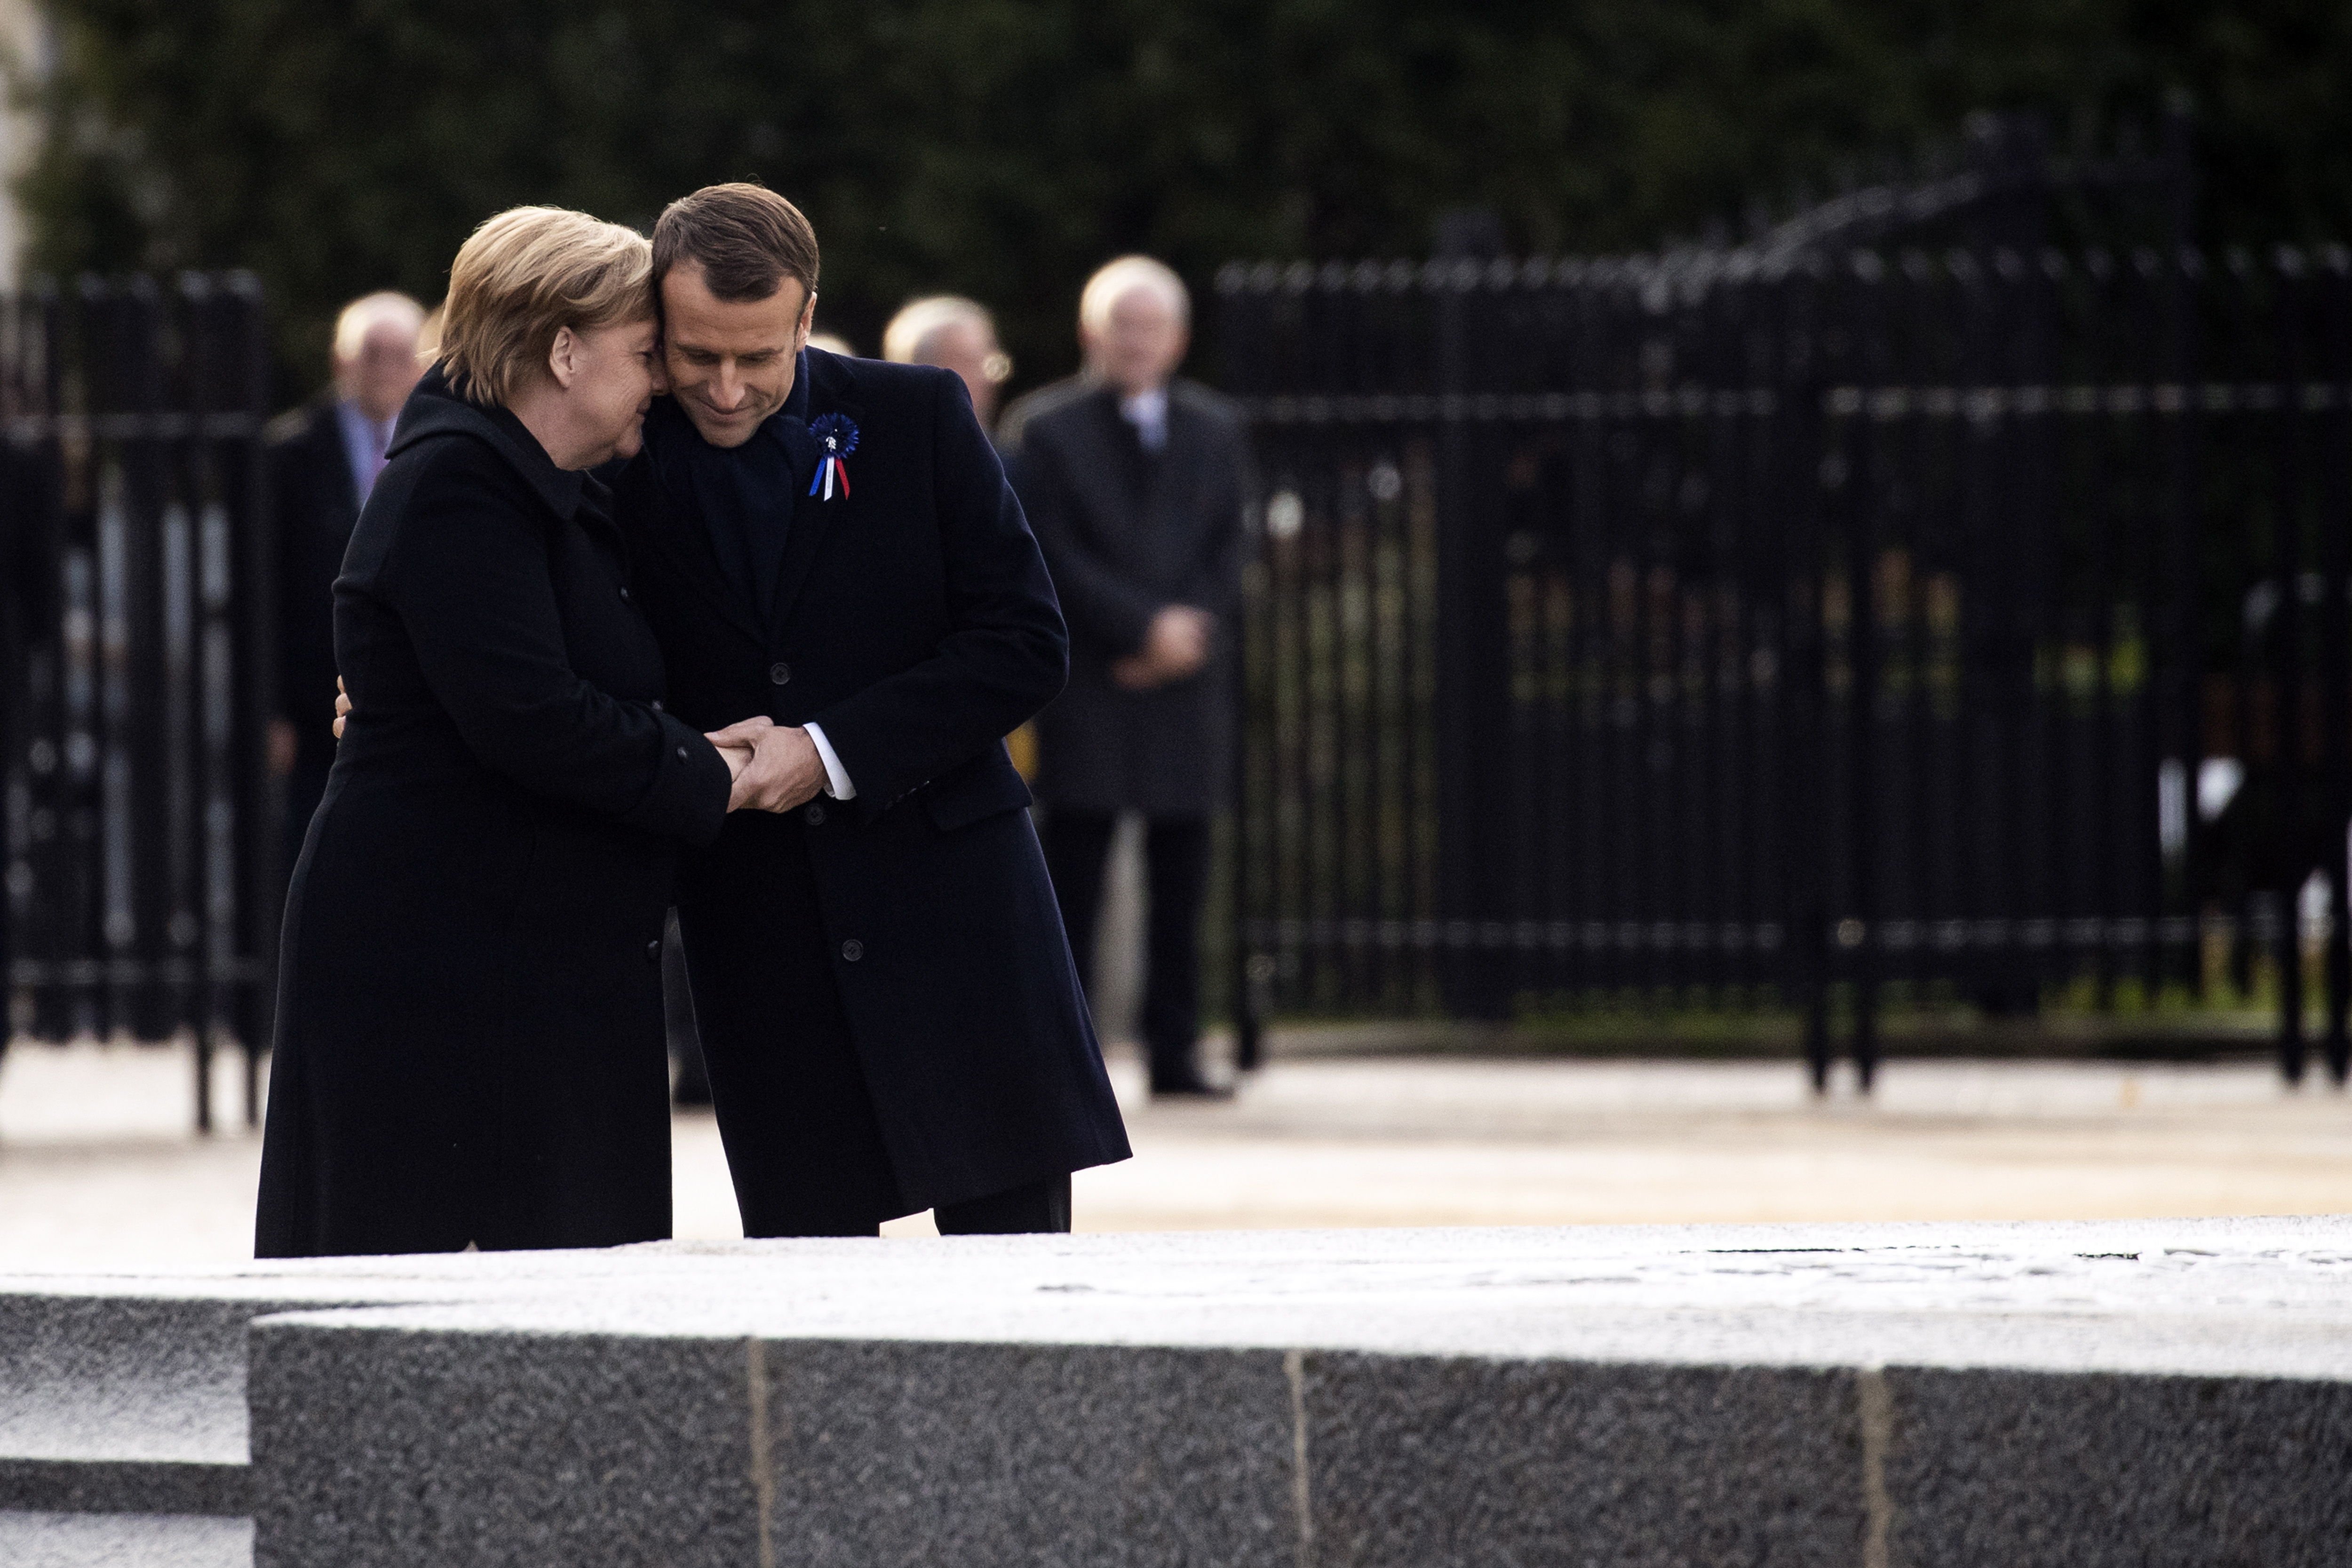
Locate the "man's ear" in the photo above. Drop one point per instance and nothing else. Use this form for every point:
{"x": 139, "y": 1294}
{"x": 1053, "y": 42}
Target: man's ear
{"x": 563, "y": 357}
{"x": 808, "y": 324}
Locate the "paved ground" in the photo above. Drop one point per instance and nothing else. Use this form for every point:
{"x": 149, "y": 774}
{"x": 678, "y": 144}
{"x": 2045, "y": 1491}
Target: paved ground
{"x": 97, "y": 1164}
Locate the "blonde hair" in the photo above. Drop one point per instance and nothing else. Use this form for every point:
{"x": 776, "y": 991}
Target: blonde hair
{"x": 1119, "y": 279}
{"x": 523, "y": 277}
{"x": 369, "y": 311}
{"x": 908, "y": 336}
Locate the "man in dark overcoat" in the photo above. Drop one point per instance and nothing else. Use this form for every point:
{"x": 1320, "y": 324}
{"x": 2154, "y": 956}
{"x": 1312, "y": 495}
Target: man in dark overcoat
{"x": 888, "y": 1005}
{"x": 1135, "y": 482}
{"x": 322, "y": 460}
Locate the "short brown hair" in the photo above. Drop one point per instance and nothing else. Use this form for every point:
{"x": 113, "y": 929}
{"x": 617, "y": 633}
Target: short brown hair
{"x": 524, "y": 276}
{"x": 746, "y": 238}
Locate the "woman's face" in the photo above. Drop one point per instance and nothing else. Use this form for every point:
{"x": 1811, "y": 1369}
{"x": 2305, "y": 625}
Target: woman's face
{"x": 616, "y": 379}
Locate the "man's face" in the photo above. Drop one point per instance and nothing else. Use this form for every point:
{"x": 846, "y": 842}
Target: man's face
{"x": 970, "y": 350}
{"x": 384, "y": 371}
{"x": 1141, "y": 344}
{"x": 730, "y": 364}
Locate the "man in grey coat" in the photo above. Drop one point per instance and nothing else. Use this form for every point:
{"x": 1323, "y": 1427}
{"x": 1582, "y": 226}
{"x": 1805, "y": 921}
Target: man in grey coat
{"x": 1135, "y": 482}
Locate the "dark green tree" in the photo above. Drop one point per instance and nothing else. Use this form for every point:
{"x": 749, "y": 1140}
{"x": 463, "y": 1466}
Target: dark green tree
{"x": 1004, "y": 147}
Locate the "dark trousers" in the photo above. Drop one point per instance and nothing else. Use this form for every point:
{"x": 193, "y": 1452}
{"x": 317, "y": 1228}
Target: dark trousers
{"x": 1176, "y": 860}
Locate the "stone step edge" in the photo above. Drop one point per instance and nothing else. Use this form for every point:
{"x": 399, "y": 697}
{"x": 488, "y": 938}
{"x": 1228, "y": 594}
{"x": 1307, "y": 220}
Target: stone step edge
{"x": 125, "y": 1487}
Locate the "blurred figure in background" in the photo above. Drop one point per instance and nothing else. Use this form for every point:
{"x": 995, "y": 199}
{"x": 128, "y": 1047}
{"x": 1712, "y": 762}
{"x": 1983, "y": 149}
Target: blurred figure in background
{"x": 1135, "y": 482}
{"x": 953, "y": 334}
{"x": 322, "y": 462}
{"x": 832, "y": 343}
{"x": 958, "y": 334}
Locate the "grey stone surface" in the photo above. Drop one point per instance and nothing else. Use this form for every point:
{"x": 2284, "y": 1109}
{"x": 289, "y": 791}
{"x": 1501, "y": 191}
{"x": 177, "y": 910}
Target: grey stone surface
{"x": 29, "y": 1540}
{"x": 1896, "y": 1397}
{"x": 117, "y": 1377}
{"x": 1056, "y": 1457}
{"x": 125, "y": 1486}
{"x": 373, "y": 1447}
{"x": 2037, "y": 1470}
{"x": 1428, "y": 1462}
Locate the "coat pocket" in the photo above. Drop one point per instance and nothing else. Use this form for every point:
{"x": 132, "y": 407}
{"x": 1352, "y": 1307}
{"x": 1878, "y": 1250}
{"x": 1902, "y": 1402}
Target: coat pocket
{"x": 985, "y": 786}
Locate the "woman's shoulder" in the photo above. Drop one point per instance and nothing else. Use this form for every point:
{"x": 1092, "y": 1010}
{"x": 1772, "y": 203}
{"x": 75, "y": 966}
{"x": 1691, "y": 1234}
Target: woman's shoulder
{"x": 449, "y": 471}
{"x": 447, "y": 496}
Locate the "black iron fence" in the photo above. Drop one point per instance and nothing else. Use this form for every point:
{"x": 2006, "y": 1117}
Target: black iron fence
{"x": 1778, "y": 628}
{"x": 142, "y": 889}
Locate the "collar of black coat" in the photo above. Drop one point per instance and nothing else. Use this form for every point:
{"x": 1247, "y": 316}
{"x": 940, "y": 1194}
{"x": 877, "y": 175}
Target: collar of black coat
{"x": 435, "y": 408}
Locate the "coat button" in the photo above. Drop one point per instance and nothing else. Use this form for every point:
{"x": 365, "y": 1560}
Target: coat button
{"x": 815, "y": 814}
{"x": 652, "y": 951}
{"x": 625, "y": 596}
{"x": 853, "y": 949}
{"x": 658, "y": 707}
{"x": 681, "y": 754}
{"x": 780, "y": 673}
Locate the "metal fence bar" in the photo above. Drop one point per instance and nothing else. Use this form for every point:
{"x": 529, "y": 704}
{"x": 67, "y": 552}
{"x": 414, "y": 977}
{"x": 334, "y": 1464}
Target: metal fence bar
{"x": 140, "y": 888}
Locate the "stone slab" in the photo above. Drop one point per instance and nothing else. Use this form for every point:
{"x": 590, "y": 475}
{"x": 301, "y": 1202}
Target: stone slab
{"x": 126, "y": 1486}
{"x": 2131, "y": 1392}
{"x": 32, "y": 1539}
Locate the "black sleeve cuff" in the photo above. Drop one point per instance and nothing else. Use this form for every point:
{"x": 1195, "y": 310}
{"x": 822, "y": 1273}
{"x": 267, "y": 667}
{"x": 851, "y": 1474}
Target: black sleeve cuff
{"x": 687, "y": 798}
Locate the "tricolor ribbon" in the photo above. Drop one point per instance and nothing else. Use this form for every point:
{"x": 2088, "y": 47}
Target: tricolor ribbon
{"x": 839, "y": 437}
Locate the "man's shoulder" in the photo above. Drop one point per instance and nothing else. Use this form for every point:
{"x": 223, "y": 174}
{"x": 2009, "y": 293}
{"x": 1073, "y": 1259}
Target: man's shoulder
{"x": 1044, "y": 408}
{"x": 300, "y": 427}
{"x": 1208, "y": 404}
{"x": 874, "y": 384}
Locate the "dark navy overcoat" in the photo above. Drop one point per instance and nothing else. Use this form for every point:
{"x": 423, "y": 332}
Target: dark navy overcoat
{"x": 470, "y": 1044}
{"x": 912, "y": 618}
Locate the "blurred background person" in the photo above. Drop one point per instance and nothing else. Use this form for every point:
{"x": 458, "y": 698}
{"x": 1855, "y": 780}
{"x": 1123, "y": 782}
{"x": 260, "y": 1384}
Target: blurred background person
{"x": 322, "y": 462}
{"x": 958, "y": 334}
{"x": 953, "y": 334}
{"x": 1135, "y": 482}
{"x": 831, "y": 344}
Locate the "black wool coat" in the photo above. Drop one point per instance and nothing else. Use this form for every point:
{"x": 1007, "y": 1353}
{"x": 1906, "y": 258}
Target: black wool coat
{"x": 1127, "y": 532}
{"x": 470, "y": 1046}
{"x": 315, "y": 505}
{"x": 911, "y": 617}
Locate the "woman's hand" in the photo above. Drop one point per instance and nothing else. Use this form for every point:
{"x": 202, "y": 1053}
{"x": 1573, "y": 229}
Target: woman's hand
{"x": 786, "y": 772}
{"x": 342, "y": 707}
{"x": 739, "y": 743}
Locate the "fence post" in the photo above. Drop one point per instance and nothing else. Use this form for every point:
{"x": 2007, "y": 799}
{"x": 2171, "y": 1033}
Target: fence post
{"x": 2291, "y": 858}
{"x": 1472, "y": 712}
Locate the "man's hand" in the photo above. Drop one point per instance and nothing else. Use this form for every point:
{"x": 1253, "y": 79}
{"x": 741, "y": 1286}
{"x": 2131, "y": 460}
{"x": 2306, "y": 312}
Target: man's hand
{"x": 785, "y": 771}
{"x": 1175, "y": 647}
{"x": 342, "y": 707}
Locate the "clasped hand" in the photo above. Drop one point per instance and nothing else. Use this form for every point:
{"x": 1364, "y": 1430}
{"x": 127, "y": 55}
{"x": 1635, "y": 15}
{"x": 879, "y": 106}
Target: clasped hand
{"x": 775, "y": 766}
{"x": 1175, "y": 646}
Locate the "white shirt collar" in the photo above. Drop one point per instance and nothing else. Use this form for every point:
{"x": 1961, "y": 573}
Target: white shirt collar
{"x": 1148, "y": 411}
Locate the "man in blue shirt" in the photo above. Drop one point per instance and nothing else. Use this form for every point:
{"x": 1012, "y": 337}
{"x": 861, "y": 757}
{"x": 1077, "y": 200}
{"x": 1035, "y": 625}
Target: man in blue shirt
{"x": 322, "y": 462}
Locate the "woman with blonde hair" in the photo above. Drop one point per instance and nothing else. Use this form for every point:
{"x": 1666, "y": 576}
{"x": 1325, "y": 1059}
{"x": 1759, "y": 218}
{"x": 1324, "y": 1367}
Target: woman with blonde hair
{"x": 470, "y": 1047}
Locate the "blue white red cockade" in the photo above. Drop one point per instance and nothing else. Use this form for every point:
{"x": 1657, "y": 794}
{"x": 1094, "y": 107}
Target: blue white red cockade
{"x": 836, "y": 438}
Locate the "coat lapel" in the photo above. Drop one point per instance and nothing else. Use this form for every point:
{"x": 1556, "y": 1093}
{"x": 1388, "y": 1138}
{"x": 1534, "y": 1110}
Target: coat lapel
{"x": 685, "y": 542}
{"x": 1105, "y": 468}
{"x": 815, "y": 519}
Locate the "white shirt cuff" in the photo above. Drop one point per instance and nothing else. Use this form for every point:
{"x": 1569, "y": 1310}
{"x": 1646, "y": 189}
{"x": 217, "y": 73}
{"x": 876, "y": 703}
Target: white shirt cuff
{"x": 837, "y": 777}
